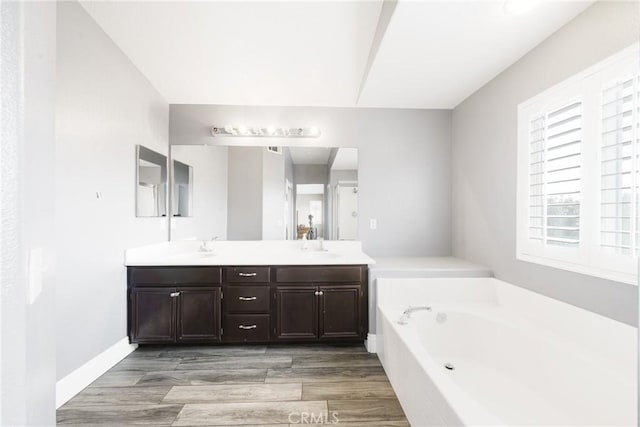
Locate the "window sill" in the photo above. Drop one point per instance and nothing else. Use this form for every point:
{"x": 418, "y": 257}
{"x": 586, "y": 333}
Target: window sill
{"x": 616, "y": 276}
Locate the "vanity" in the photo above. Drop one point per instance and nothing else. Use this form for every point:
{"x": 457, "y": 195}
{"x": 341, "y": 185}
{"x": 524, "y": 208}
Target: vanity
{"x": 247, "y": 292}
{"x": 263, "y": 281}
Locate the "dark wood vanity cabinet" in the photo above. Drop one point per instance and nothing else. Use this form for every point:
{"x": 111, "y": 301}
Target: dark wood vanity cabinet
{"x": 153, "y": 315}
{"x": 247, "y": 304}
{"x": 174, "y": 304}
{"x": 340, "y": 316}
{"x": 198, "y": 312}
{"x": 320, "y": 303}
{"x": 296, "y": 312}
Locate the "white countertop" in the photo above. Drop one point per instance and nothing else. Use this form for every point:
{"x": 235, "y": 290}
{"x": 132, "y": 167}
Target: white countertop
{"x": 427, "y": 266}
{"x": 238, "y": 253}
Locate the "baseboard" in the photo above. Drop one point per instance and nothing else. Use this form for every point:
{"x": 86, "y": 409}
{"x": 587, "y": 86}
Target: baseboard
{"x": 77, "y": 380}
{"x": 371, "y": 343}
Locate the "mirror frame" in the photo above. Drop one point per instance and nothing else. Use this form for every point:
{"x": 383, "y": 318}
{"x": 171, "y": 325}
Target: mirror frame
{"x": 140, "y": 148}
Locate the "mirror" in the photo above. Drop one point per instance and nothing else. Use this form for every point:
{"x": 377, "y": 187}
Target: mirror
{"x": 265, "y": 193}
{"x": 182, "y": 189}
{"x": 151, "y": 183}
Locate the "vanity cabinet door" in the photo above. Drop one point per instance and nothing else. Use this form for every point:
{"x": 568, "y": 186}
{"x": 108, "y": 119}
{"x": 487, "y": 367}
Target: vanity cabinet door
{"x": 153, "y": 315}
{"x": 198, "y": 314}
{"x": 340, "y": 312}
{"x": 297, "y": 312}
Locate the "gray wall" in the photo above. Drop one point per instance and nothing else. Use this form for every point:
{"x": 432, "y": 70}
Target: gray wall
{"x": 311, "y": 174}
{"x": 27, "y": 198}
{"x": 404, "y": 164}
{"x": 105, "y": 106}
{"x": 342, "y": 175}
{"x": 244, "y": 194}
{"x": 273, "y": 175}
{"x": 484, "y": 159}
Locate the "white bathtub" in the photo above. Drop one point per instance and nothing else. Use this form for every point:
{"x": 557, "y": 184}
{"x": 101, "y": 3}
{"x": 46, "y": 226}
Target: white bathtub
{"x": 519, "y": 358}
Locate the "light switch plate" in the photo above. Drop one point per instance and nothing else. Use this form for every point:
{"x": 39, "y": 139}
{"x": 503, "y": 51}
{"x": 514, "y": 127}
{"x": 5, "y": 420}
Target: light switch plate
{"x": 373, "y": 224}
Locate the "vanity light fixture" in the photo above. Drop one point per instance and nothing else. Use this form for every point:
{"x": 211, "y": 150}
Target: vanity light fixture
{"x": 519, "y": 7}
{"x": 265, "y": 132}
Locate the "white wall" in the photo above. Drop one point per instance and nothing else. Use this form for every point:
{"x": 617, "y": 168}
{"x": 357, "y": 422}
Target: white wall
{"x": 105, "y": 106}
{"x": 404, "y": 164}
{"x": 209, "y": 193}
{"x": 484, "y": 159}
{"x": 27, "y": 356}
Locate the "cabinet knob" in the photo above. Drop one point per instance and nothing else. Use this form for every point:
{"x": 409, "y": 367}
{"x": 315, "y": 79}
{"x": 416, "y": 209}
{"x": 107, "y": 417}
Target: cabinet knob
{"x": 174, "y": 294}
{"x": 247, "y": 298}
{"x": 318, "y": 293}
{"x": 247, "y": 274}
{"x": 247, "y": 326}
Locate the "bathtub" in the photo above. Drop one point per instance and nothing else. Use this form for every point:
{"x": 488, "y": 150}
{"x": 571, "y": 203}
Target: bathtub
{"x": 490, "y": 353}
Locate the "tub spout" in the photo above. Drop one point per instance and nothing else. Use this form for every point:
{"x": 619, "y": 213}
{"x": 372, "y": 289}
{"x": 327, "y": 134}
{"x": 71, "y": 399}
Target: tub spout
{"x": 406, "y": 315}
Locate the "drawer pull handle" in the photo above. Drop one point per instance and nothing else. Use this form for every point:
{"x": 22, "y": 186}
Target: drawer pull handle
{"x": 319, "y": 293}
{"x": 174, "y": 294}
{"x": 247, "y": 298}
{"x": 248, "y": 326}
{"x": 247, "y": 274}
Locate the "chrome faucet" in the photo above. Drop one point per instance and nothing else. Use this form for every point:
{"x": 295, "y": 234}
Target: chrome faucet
{"x": 406, "y": 315}
{"x": 206, "y": 247}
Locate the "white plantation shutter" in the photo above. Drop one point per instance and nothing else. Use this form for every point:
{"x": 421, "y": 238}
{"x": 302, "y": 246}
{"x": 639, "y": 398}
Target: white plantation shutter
{"x": 619, "y": 168}
{"x": 554, "y": 176}
{"x": 536, "y": 179}
{"x": 579, "y": 172}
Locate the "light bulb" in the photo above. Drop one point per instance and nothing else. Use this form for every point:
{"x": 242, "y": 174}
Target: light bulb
{"x": 271, "y": 130}
{"x": 314, "y": 131}
{"x": 519, "y": 7}
{"x": 228, "y": 129}
{"x": 242, "y": 130}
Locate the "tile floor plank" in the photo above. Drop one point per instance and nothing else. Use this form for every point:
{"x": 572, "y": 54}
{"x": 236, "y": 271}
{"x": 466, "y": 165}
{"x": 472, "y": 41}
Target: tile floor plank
{"x": 348, "y": 390}
{"x": 219, "y": 350}
{"x": 332, "y": 374}
{"x": 226, "y": 414}
{"x": 149, "y": 415}
{"x": 118, "y": 379}
{"x": 377, "y": 423}
{"x": 370, "y": 410}
{"x": 194, "y": 377}
{"x": 93, "y": 396}
{"x": 322, "y": 348}
{"x": 147, "y": 364}
{"x": 244, "y": 362}
{"x": 234, "y": 393}
{"x": 335, "y": 360}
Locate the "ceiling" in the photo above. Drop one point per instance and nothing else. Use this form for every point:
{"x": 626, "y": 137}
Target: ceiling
{"x": 409, "y": 54}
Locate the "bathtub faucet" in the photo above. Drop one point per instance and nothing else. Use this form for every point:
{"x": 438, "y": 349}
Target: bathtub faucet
{"x": 406, "y": 315}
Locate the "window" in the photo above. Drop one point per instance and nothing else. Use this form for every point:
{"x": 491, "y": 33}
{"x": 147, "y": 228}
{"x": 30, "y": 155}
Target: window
{"x": 579, "y": 172}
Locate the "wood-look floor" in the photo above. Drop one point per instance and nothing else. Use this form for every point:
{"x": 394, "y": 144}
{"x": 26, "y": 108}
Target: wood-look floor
{"x": 240, "y": 385}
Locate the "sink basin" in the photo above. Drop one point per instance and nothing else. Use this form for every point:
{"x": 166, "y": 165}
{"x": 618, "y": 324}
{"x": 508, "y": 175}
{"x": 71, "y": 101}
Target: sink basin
{"x": 321, "y": 255}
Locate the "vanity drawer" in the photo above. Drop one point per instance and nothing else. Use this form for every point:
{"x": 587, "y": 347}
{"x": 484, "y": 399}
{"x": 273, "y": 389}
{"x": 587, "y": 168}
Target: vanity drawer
{"x": 246, "y": 299}
{"x": 318, "y": 274}
{"x": 153, "y": 276}
{"x": 245, "y": 327}
{"x": 245, "y": 274}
